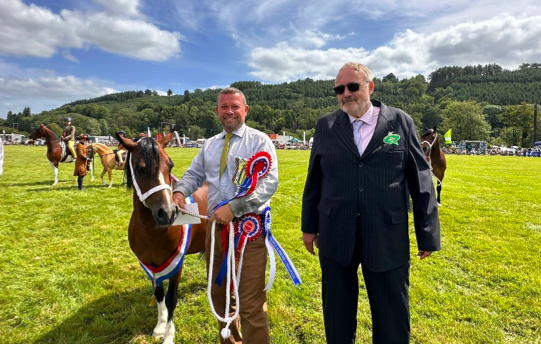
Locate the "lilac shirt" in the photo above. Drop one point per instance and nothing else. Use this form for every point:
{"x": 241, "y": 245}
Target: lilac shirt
{"x": 370, "y": 118}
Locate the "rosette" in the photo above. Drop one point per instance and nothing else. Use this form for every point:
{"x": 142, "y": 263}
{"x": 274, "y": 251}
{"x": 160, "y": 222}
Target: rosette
{"x": 259, "y": 165}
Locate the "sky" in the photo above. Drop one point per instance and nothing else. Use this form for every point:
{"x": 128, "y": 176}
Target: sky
{"x": 54, "y": 52}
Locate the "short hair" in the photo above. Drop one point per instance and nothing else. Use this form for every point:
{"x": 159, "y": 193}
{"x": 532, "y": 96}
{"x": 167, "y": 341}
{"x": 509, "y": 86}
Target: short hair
{"x": 231, "y": 90}
{"x": 359, "y": 68}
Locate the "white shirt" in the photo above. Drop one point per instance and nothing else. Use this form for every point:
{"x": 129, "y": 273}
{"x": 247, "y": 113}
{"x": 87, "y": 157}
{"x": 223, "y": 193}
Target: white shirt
{"x": 205, "y": 166}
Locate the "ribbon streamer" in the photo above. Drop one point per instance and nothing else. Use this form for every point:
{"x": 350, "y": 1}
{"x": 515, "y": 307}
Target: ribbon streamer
{"x": 273, "y": 245}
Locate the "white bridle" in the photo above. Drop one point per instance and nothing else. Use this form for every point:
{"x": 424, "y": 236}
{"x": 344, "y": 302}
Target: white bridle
{"x": 143, "y": 197}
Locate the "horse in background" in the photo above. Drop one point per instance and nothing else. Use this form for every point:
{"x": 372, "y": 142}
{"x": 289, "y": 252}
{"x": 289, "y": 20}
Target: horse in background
{"x": 435, "y": 156}
{"x": 158, "y": 244}
{"x": 57, "y": 150}
{"x": 108, "y": 160}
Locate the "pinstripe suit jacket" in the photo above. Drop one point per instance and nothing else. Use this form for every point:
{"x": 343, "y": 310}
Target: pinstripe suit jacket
{"x": 346, "y": 194}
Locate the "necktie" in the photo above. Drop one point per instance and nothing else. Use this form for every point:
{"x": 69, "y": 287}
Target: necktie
{"x": 357, "y": 135}
{"x": 223, "y": 158}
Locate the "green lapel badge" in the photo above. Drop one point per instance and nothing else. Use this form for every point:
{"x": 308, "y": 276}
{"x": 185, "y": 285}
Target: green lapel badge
{"x": 391, "y": 139}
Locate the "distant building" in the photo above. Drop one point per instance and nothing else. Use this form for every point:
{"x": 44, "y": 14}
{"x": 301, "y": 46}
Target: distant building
{"x": 280, "y": 139}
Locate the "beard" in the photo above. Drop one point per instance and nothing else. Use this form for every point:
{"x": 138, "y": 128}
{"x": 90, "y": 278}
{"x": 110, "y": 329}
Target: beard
{"x": 354, "y": 106}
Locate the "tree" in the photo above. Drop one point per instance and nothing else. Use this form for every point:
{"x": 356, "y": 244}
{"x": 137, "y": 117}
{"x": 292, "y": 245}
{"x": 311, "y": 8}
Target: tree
{"x": 390, "y": 78}
{"x": 518, "y": 122}
{"x": 467, "y": 121}
{"x": 169, "y": 93}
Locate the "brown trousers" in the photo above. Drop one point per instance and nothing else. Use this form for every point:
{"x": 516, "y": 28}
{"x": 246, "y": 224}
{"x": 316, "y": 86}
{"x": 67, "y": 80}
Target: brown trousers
{"x": 253, "y": 299}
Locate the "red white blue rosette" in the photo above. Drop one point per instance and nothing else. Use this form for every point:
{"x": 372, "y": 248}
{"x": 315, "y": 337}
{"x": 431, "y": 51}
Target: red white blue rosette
{"x": 249, "y": 226}
{"x": 257, "y": 167}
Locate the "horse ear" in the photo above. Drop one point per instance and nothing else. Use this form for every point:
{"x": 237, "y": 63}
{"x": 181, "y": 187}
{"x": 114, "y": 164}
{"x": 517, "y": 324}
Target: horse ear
{"x": 167, "y": 138}
{"x": 435, "y": 128}
{"x": 129, "y": 144}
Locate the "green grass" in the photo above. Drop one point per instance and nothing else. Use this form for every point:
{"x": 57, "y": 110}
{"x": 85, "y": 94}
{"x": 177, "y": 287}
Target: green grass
{"x": 68, "y": 276}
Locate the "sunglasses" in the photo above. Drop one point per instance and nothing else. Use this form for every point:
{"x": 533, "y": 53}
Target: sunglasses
{"x": 352, "y": 87}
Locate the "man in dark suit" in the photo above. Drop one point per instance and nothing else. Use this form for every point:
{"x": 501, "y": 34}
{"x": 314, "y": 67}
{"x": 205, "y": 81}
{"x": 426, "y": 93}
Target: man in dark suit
{"x": 354, "y": 209}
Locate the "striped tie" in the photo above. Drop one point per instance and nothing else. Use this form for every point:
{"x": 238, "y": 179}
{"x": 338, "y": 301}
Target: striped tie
{"x": 223, "y": 158}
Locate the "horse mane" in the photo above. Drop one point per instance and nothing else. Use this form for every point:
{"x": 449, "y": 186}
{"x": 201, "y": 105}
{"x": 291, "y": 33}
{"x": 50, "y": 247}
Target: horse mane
{"x": 51, "y": 130}
{"x": 102, "y": 146}
{"x": 150, "y": 153}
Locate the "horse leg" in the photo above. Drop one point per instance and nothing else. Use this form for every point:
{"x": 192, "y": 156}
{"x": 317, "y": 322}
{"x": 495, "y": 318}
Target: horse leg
{"x": 439, "y": 193}
{"x": 102, "y": 174}
{"x": 159, "y": 330}
{"x": 91, "y": 168}
{"x": 171, "y": 303}
{"x": 55, "y": 173}
{"x": 110, "y": 174}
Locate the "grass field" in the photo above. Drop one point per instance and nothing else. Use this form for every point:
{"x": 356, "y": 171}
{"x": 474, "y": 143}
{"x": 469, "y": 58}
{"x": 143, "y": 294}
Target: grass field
{"x": 68, "y": 276}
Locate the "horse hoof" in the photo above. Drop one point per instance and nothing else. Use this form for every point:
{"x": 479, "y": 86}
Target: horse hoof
{"x": 439, "y": 204}
{"x": 158, "y": 335}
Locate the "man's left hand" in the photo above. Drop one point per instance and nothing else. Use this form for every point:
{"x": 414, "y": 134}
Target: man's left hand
{"x": 223, "y": 215}
{"x": 423, "y": 254}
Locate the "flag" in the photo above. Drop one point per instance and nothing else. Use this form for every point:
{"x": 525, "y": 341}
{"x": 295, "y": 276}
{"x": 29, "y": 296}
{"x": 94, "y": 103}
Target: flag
{"x": 149, "y": 135}
{"x": 448, "y": 136}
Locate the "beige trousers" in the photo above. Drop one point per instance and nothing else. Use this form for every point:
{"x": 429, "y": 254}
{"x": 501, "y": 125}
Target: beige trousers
{"x": 253, "y": 306}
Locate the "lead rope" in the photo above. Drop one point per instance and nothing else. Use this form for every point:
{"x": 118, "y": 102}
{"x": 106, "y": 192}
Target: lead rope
{"x": 226, "y": 332}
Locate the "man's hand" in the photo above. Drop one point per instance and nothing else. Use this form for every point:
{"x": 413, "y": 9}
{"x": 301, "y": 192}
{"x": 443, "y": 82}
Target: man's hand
{"x": 423, "y": 254}
{"x": 179, "y": 200}
{"x": 223, "y": 215}
{"x": 309, "y": 240}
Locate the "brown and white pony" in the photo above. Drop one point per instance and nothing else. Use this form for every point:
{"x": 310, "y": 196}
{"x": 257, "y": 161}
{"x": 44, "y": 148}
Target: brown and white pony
{"x": 159, "y": 245}
{"x": 57, "y": 150}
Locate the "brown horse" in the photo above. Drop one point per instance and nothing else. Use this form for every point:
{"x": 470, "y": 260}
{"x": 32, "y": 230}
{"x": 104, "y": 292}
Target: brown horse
{"x": 160, "y": 246}
{"x": 57, "y": 151}
{"x": 108, "y": 161}
{"x": 435, "y": 156}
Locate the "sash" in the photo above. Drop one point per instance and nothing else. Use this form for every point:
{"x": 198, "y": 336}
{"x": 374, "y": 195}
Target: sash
{"x": 174, "y": 263}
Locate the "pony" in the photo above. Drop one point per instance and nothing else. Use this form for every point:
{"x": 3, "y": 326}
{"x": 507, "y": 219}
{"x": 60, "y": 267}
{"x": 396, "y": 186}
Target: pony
{"x": 435, "y": 156}
{"x": 57, "y": 150}
{"x": 155, "y": 241}
{"x": 107, "y": 157}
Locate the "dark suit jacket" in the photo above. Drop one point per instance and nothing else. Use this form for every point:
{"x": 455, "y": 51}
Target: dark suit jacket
{"x": 346, "y": 195}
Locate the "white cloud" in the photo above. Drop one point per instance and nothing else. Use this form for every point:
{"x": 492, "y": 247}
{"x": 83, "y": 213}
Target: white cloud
{"x": 120, "y": 8}
{"x": 36, "y": 31}
{"x": 504, "y": 40}
{"x": 44, "y": 90}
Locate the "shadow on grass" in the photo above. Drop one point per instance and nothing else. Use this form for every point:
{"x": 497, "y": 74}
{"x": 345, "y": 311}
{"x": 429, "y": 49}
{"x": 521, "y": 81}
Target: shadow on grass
{"x": 115, "y": 318}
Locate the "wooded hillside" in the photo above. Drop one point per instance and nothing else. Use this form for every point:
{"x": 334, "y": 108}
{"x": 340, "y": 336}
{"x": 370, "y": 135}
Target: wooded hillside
{"x": 477, "y": 102}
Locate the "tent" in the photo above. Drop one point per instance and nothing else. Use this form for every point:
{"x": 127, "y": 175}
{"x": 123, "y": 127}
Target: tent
{"x": 537, "y": 143}
{"x": 294, "y": 140}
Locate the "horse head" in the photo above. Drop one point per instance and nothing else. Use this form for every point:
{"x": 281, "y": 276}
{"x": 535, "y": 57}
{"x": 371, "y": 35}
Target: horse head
{"x": 428, "y": 137}
{"x": 39, "y": 132}
{"x": 149, "y": 173}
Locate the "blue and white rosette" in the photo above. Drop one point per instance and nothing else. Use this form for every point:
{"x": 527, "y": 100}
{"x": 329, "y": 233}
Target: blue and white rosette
{"x": 273, "y": 245}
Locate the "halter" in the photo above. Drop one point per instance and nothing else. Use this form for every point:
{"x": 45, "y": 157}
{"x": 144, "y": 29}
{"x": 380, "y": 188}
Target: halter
{"x": 429, "y": 149}
{"x": 143, "y": 197}
{"x": 439, "y": 182}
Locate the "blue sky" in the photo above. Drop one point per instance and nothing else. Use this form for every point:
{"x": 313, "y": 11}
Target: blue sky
{"x": 57, "y": 51}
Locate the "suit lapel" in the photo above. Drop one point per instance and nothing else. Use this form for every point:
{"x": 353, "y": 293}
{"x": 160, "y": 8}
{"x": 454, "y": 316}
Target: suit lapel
{"x": 383, "y": 127}
{"x": 344, "y": 131}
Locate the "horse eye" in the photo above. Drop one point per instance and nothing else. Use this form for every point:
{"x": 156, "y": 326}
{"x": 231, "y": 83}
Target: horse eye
{"x": 140, "y": 169}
